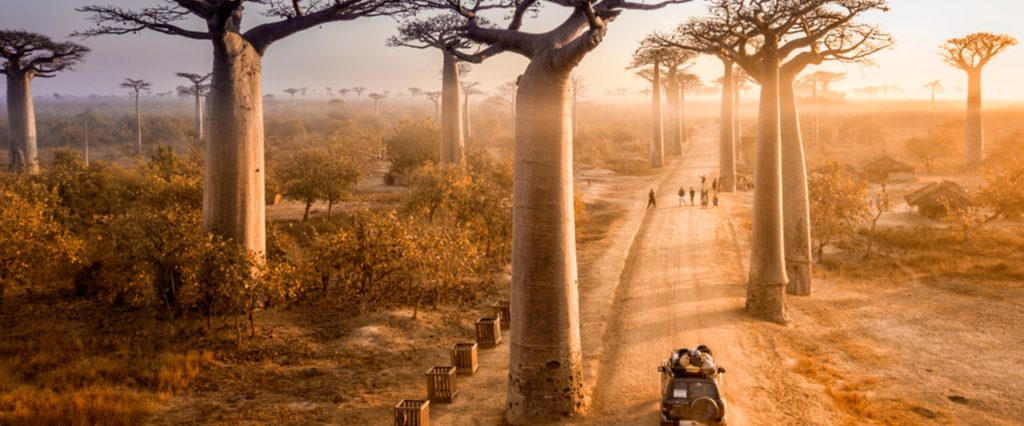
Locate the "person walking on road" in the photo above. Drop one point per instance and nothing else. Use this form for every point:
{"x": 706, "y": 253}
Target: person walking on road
{"x": 651, "y": 202}
{"x": 716, "y": 199}
{"x": 682, "y": 196}
{"x": 692, "y": 193}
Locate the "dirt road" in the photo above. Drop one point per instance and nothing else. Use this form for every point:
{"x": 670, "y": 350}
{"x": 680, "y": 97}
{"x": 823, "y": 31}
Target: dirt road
{"x": 682, "y": 286}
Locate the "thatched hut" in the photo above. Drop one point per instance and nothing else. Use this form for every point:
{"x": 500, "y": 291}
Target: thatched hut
{"x": 931, "y": 200}
{"x": 879, "y": 169}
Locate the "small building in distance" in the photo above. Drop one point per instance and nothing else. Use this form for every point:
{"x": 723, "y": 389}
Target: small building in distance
{"x": 879, "y": 169}
{"x": 931, "y": 199}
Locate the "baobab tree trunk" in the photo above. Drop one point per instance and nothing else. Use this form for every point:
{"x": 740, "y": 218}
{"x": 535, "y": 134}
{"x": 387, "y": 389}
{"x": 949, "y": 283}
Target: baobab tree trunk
{"x": 452, "y": 142}
{"x": 974, "y": 148}
{"x": 675, "y": 135}
{"x": 465, "y": 117}
{"x": 657, "y": 134}
{"x": 233, "y": 189}
{"x": 727, "y": 126}
{"x": 575, "y": 114}
{"x": 21, "y": 117}
{"x": 683, "y": 128}
{"x": 138, "y": 125}
{"x": 795, "y": 207}
{"x": 199, "y": 114}
{"x": 737, "y": 134}
{"x": 766, "y": 292}
{"x": 545, "y": 370}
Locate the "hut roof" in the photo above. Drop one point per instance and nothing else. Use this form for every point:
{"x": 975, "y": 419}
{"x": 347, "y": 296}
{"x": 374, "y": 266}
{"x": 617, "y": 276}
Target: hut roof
{"x": 886, "y": 164}
{"x": 934, "y": 193}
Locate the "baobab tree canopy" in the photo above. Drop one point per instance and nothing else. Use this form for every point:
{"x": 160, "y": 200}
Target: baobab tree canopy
{"x": 25, "y": 56}
{"x": 37, "y": 55}
{"x": 974, "y": 51}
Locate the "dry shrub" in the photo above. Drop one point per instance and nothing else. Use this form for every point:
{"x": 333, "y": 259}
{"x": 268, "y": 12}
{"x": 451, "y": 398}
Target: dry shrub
{"x": 177, "y": 371}
{"x": 96, "y": 405}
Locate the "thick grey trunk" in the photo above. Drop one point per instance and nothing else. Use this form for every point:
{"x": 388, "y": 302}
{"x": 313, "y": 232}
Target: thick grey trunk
{"x": 21, "y": 118}
{"x": 737, "y": 134}
{"x": 675, "y": 131}
{"x": 974, "y": 141}
{"x": 766, "y": 290}
{"x": 452, "y": 142}
{"x": 575, "y": 114}
{"x": 657, "y": 128}
{"x": 233, "y": 187}
{"x": 795, "y": 207}
{"x": 727, "y": 127}
{"x": 199, "y": 115}
{"x": 138, "y": 126}
{"x": 545, "y": 370}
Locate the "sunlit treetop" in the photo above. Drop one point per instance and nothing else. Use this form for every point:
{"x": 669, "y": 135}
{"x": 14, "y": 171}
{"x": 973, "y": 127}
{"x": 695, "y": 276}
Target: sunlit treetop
{"x": 36, "y": 55}
{"x": 136, "y": 85}
{"x": 212, "y": 19}
{"x": 974, "y": 51}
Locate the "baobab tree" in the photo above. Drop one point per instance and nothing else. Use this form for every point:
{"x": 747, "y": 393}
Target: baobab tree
{"x": 435, "y": 97}
{"x": 415, "y": 92}
{"x": 578, "y": 89}
{"x": 934, "y": 87}
{"x": 359, "y": 91}
{"x": 675, "y": 60}
{"x": 468, "y": 89}
{"x": 137, "y": 86}
{"x": 696, "y": 36}
{"x": 344, "y": 92}
{"x": 687, "y": 82}
{"x": 329, "y": 91}
{"x": 377, "y": 97}
{"x": 234, "y": 175}
{"x": 545, "y": 363}
{"x": 27, "y": 56}
{"x": 970, "y": 54}
{"x": 291, "y": 93}
{"x": 199, "y": 90}
{"x": 820, "y": 81}
{"x": 654, "y": 57}
{"x": 507, "y": 93}
{"x": 443, "y": 32}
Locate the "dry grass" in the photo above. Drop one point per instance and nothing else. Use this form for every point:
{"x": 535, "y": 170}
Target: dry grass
{"x": 94, "y": 405}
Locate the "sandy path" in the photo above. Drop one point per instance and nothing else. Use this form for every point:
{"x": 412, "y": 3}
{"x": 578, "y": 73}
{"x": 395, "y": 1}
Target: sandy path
{"x": 682, "y": 286}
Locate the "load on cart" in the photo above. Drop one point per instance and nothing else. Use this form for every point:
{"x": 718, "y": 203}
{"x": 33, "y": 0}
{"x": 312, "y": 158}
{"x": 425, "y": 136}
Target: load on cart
{"x": 690, "y": 388}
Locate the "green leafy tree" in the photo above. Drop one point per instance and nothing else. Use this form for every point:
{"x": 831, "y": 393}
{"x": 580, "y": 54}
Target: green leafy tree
{"x": 837, "y": 205}
{"x": 32, "y": 241}
{"x": 314, "y": 175}
{"x": 413, "y": 144}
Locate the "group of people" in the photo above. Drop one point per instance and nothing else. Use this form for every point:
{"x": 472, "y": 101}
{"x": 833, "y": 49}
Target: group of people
{"x": 707, "y": 195}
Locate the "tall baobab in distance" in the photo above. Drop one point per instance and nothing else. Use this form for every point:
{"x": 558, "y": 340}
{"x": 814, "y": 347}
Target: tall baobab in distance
{"x": 233, "y": 187}
{"x": 137, "y": 86}
{"x": 468, "y": 90}
{"x": 698, "y": 36}
{"x": 199, "y": 89}
{"x": 435, "y": 97}
{"x": 291, "y": 93}
{"x": 971, "y": 53}
{"x": 377, "y": 97}
{"x": 578, "y": 88}
{"x": 934, "y": 87}
{"x": 545, "y": 361}
{"x": 675, "y": 61}
{"x": 344, "y": 92}
{"x": 819, "y": 81}
{"x": 27, "y": 56}
{"x": 359, "y": 91}
{"x": 653, "y": 56}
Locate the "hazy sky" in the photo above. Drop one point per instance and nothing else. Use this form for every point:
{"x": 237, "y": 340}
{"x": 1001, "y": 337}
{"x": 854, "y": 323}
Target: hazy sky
{"x": 351, "y": 54}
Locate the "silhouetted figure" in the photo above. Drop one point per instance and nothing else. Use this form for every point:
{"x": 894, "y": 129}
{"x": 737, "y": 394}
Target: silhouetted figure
{"x": 716, "y": 199}
{"x": 682, "y": 196}
{"x": 692, "y": 193}
{"x": 651, "y": 202}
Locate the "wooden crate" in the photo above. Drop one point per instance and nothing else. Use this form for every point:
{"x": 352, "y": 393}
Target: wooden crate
{"x": 488, "y": 332}
{"x": 441, "y": 384}
{"x": 503, "y": 312}
{"x": 412, "y": 412}
{"x": 464, "y": 357}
